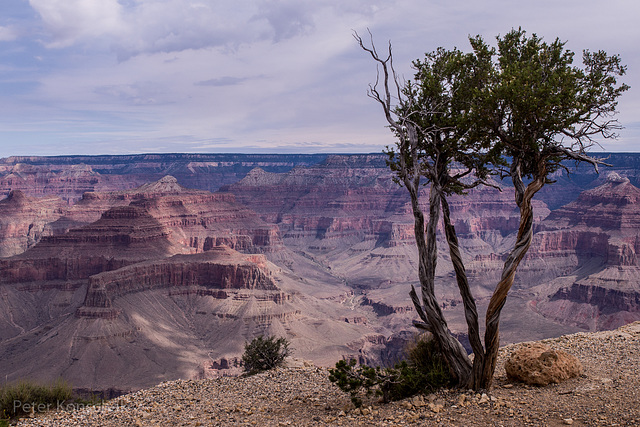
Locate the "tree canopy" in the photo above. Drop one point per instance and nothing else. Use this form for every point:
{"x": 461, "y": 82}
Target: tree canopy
{"x": 519, "y": 110}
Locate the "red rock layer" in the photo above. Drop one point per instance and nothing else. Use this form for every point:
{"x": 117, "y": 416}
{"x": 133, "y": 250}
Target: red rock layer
{"x": 69, "y": 177}
{"x": 68, "y": 182}
{"x": 204, "y": 220}
{"x": 611, "y": 206}
{"x": 192, "y": 218}
{"x": 603, "y": 223}
{"x": 211, "y": 273}
{"x": 600, "y": 232}
{"x": 354, "y": 197}
{"x": 124, "y": 235}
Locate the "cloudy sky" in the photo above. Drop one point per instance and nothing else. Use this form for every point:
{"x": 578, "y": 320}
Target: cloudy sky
{"x": 261, "y": 76}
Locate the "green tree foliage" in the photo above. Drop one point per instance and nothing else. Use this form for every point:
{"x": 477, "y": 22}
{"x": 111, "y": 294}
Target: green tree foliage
{"x": 521, "y": 110}
{"x": 263, "y": 354}
{"x": 542, "y": 111}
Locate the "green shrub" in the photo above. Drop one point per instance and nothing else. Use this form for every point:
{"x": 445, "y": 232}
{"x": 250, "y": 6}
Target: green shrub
{"x": 24, "y": 397}
{"x": 425, "y": 370}
{"x": 425, "y": 355}
{"x": 263, "y": 354}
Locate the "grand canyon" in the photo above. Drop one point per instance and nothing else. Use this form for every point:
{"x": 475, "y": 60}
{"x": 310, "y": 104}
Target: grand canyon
{"x": 119, "y": 272}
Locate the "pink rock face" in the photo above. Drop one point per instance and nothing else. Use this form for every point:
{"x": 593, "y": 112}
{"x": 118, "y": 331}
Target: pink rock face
{"x": 609, "y": 207}
{"x": 71, "y": 176}
{"x": 152, "y": 287}
{"x": 68, "y": 182}
{"x": 132, "y": 284}
{"x": 210, "y": 273}
{"x": 205, "y": 220}
{"x": 599, "y": 232}
{"x": 25, "y": 220}
{"x": 193, "y": 218}
{"x": 196, "y": 219}
{"x": 154, "y": 221}
{"x": 354, "y": 197}
{"x": 124, "y": 235}
{"x": 537, "y": 364}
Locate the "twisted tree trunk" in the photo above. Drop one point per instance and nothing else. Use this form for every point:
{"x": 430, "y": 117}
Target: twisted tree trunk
{"x": 470, "y": 309}
{"x": 429, "y": 310}
{"x": 525, "y": 236}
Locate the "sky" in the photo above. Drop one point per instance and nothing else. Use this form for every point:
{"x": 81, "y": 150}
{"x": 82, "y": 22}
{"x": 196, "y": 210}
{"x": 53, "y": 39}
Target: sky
{"x": 253, "y": 76}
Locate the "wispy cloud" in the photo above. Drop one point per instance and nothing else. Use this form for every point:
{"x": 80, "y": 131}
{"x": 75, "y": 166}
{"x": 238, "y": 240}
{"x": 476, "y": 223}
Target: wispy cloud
{"x": 7, "y": 34}
{"x": 221, "y": 81}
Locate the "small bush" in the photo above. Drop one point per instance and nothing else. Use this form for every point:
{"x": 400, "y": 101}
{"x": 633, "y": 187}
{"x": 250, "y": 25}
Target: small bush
{"x": 23, "y": 397}
{"x": 425, "y": 355}
{"x": 263, "y": 354}
{"x": 425, "y": 370}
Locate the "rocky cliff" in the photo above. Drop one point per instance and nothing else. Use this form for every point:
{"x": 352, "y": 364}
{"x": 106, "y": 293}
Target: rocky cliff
{"x": 122, "y": 236}
{"x": 212, "y": 273}
{"x": 347, "y": 214}
{"x": 595, "y": 239}
{"x": 25, "y": 220}
{"x": 197, "y": 219}
{"x": 69, "y": 177}
{"x": 153, "y": 290}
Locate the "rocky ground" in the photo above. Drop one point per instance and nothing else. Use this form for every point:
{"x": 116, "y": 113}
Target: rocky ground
{"x": 606, "y": 394}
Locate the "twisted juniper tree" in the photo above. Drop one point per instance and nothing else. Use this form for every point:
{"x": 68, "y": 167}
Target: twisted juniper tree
{"x": 467, "y": 115}
{"x": 543, "y": 111}
{"x": 438, "y": 143}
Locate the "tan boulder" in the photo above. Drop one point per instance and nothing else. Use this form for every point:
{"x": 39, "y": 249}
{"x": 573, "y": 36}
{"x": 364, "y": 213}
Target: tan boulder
{"x": 538, "y": 364}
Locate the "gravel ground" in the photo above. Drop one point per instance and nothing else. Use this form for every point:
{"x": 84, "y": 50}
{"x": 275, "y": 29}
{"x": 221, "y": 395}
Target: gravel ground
{"x": 607, "y": 394}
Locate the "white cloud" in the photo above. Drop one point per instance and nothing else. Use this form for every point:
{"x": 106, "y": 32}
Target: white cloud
{"x": 70, "y": 21}
{"x": 133, "y": 27}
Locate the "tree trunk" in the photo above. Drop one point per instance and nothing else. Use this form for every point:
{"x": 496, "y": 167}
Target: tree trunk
{"x": 499, "y": 297}
{"x": 470, "y": 309}
{"x": 453, "y": 351}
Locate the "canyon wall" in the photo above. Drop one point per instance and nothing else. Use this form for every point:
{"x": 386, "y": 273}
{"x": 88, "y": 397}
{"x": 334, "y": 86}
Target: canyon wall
{"x": 109, "y": 263}
{"x": 25, "y": 220}
{"x": 69, "y": 177}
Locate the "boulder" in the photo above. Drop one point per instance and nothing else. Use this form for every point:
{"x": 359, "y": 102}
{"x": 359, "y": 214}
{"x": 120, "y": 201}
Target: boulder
{"x": 538, "y": 364}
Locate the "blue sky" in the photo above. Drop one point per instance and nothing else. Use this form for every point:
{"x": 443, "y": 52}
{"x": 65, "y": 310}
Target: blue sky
{"x": 141, "y": 76}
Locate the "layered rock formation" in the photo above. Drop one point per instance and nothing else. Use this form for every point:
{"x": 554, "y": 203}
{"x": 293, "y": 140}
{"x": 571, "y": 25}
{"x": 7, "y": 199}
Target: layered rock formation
{"x": 347, "y": 215}
{"x": 69, "y": 177}
{"x": 67, "y": 182}
{"x": 211, "y": 273}
{"x": 25, "y": 220}
{"x": 596, "y": 240}
{"x": 149, "y": 292}
{"x": 204, "y": 220}
{"x": 197, "y": 219}
{"x": 124, "y": 235}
